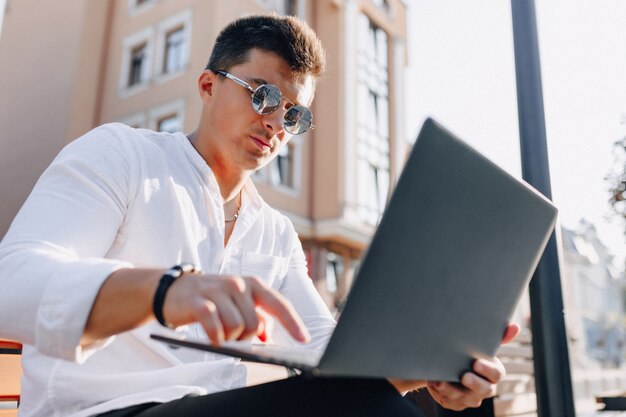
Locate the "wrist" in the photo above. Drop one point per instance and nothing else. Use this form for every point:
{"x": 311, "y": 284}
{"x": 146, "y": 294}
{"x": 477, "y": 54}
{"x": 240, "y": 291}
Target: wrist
{"x": 163, "y": 287}
{"x": 403, "y": 386}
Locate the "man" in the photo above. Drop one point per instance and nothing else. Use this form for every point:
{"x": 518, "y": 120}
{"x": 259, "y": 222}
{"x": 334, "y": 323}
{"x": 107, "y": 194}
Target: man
{"x": 87, "y": 258}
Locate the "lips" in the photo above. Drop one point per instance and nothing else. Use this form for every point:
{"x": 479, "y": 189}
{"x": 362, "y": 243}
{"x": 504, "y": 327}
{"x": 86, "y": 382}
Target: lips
{"x": 261, "y": 143}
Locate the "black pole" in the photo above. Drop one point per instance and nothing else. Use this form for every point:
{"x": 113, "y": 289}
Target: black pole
{"x": 551, "y": 359}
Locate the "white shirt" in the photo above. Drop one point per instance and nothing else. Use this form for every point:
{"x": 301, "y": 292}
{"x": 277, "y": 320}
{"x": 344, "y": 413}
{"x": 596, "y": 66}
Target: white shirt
{"x": 121, "y": 197}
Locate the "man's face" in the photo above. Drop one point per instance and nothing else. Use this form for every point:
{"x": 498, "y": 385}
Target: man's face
{"x": 239, "y": 138}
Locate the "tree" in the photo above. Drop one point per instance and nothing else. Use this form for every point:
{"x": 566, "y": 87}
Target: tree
{"x": 617, "y": 180}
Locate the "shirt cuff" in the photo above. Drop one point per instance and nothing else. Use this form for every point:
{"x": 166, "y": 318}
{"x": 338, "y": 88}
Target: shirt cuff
{"x": 65, "y": 307}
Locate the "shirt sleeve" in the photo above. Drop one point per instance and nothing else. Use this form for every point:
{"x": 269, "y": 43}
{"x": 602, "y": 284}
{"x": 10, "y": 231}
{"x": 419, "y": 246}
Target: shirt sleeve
{"x": 53, "y": 258}
{"x": 298, "y": 288}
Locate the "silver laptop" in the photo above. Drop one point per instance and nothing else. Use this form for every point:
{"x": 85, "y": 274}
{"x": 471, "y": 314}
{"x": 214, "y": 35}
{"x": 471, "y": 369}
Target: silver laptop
{"x": 454, "y": 251}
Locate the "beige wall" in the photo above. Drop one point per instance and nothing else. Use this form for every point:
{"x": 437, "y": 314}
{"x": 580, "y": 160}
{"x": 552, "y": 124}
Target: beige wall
{"x": 91, "y": 60}
{"x": 327, "y": 151}
{"x": 39, "y": 52}
{"x": 207, "y": 20}
{"x": 66, "y": 82}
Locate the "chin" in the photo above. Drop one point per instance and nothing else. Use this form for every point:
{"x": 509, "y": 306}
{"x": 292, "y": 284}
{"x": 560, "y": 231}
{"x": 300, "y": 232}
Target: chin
{"x": 262, "y": 163}
{"x": 255, "y": 163}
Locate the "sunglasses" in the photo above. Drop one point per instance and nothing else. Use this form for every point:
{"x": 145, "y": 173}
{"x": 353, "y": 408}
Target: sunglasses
{"x": 267, "y": 98}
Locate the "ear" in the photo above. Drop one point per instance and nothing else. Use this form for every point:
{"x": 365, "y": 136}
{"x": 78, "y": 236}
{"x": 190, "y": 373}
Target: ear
{"x": 206, "y": 83}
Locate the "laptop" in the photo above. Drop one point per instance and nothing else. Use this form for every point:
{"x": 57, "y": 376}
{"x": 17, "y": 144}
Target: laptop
{"x": 455, "y": 249}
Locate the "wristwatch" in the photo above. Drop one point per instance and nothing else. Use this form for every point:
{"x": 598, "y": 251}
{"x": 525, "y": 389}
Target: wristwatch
{"x": 165, "y": 283}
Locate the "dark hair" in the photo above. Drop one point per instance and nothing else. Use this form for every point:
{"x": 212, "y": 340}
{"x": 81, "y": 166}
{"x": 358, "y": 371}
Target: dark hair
{"x": 288, "y": 37}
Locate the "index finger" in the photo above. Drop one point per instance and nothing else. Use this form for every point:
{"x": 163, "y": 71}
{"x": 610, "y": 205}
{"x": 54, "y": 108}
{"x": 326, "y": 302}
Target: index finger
{"x": 279, "y": 307}
{"x": 492, "y": 370}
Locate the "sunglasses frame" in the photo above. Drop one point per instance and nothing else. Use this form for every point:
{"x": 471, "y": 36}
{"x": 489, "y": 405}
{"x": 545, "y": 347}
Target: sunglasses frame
{"x": 253, "y": 91}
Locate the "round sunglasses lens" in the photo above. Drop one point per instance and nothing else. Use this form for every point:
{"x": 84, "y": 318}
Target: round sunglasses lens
{"x": 266, "y": 99}
{"x": 297, "y": 119}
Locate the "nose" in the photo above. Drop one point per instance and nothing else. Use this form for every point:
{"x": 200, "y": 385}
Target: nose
{"x": 273, "y": 122}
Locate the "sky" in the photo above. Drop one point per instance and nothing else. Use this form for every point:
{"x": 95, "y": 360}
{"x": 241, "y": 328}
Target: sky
{"x": 461, "y": 72}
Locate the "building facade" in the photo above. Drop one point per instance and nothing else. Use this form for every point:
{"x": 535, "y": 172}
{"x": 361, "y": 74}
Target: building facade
{"x": 595, "y": 300}
{"x": 67, "y": 68}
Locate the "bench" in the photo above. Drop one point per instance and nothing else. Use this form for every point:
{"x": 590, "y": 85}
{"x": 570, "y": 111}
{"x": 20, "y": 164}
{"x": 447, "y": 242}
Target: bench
{"x": 515, "y": 395}
{"x": 10, "y": 374}
{"x": 516, "y": 392}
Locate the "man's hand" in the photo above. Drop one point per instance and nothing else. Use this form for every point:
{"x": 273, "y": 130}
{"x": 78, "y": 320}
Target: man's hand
{"x": 475, "y": 386}
{"x": 227, "y": 307}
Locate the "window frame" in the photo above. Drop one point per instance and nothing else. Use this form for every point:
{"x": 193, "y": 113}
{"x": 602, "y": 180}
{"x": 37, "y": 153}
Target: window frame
{"x": 373, "y": 119}
{"x": 137, "y": 120}
{"x": 181, "y": 20}
{"x": 156, "y": 114}
{"x": 149, "y": 118}
{"x": 139, "y": 6}
{"x": 280, "y": 7}
{"x": 264, "y": 175}
{"x": 129, "y": 44}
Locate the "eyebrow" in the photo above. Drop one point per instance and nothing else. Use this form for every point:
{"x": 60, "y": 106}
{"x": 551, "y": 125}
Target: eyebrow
{"x": 258, "y": 81}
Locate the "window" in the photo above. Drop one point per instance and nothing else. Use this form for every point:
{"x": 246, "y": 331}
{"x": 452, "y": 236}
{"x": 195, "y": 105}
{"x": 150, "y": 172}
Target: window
{"x": 161, "y": 50}
{"x": 291, "y": 7}
{"x": 170, "y": 123}
{"x": 137, "y": 120}
{"x": 282, "y": 172}
{"x": 373, "y": 178}
{"x": 285, "y": 7}
{"x": 267, "y": 4}
{"x": 174, "y": 44}
{"x": 138, "y": 6}
{"x": 136, "y": 67}
{"x": 373, "y": 190}
{"x": 137, "y": 63}
{"x": 173, "y": 39}
{"x": 3, "y": 9}
{"x": 334, "y": 269}
{"x": 380, "y": 187}
{"x": 167, "y": 117}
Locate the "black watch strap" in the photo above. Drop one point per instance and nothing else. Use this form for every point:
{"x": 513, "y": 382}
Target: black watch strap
{"x": 165, "y": 283}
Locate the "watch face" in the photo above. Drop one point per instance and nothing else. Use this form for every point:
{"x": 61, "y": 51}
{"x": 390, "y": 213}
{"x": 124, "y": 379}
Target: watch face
{"x": 178, "y": 270}
{"x": 187, "y": 267}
